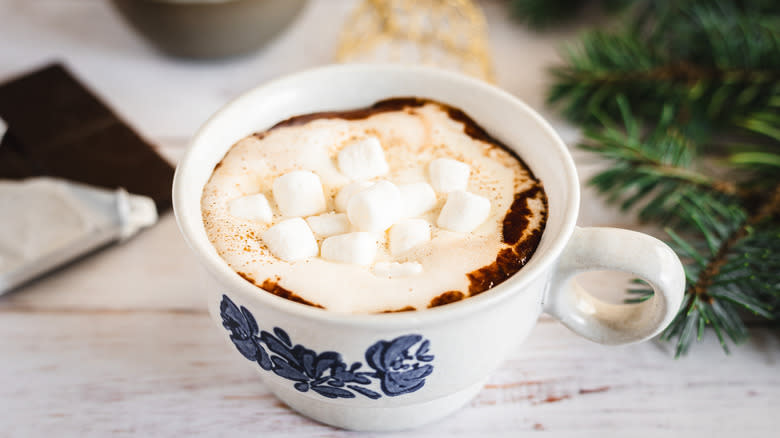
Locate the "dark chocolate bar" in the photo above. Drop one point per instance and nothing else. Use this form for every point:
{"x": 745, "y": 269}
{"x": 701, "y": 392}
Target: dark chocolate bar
{"x": 57, "y": 127}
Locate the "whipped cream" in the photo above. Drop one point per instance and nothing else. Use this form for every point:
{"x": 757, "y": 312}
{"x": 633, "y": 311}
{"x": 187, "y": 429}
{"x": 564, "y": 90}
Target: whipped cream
{"x": 421, "y": 144}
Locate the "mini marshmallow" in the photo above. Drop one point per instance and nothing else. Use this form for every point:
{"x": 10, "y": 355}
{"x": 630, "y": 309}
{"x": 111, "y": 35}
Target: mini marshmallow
{"x": 328, "y": 224}
{"x": 395, "y": 269}
{"x": 463, "y": 211}
{"x": 355, "y": 248}
{"x": 291, "y": 240}
{"x": 254, "y": 207}
{"x": 416, "y": 198}
{"x": 363, "y": 159}
{"x": 407, "y": 234}
{"x": 448, "y": 175}
{"x": 375, "y": 208}
{"x": 348, "y": 191}
{"x": 299, "y": 193}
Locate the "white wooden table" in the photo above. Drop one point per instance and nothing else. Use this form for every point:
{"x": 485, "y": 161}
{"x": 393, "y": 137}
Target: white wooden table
{"x": 120, "y": 343}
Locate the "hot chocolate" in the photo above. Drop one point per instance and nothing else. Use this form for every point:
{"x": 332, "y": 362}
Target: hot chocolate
{"x": 405, "y": 205}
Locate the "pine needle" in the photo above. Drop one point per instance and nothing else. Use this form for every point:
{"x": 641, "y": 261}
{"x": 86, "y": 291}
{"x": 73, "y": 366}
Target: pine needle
{"x": 678, "y": 84}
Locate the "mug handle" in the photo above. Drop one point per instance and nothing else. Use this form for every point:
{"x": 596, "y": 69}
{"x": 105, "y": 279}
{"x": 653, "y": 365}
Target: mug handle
{"x": 600, "y": 248}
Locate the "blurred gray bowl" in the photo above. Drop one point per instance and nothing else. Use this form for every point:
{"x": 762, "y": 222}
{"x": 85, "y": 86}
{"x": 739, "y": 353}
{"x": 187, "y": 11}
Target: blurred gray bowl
{"x": 209, "y": 28}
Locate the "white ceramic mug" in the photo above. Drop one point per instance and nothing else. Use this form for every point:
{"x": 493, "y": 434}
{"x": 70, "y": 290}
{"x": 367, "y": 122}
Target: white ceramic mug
{"x": 400, "y": 370}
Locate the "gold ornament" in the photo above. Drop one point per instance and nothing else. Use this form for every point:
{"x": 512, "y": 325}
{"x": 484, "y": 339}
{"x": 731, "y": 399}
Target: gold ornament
{"x": 449, "y": 34}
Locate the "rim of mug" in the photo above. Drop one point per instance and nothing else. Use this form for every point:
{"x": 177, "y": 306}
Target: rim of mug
{"x": 189, "y": 219}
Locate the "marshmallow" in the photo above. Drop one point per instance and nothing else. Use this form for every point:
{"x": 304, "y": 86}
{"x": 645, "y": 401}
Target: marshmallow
{"x": 395, "y": 269}
{"x": 328, "y": 224}
{"x": 291, "y": 240}
{"x": 407, "y": 234}
{"x": 448, "y": 175}
{"x": 363, "y": 159}
{"x": 348, "y": 191}
{"x": 463, "y": 211}
{"x": 375, "y": 208}
{"x": 416, "y": 198}
{"x": 355, "y": 248}
{"x": 299, "y": 193}
{"x": 254, "y": 207}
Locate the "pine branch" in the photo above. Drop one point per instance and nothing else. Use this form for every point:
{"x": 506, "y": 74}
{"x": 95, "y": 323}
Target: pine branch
{"x": 764, "y": 122}
{"x": 716, "y": 66}
{"x": 656, "y": 171}
{"x": 743, "y": 273}
{"x": 541, "y": 14}
{"x": 691, "y": 79}
{"x": 732, "y": 252}
{"x": 665, "y": 19}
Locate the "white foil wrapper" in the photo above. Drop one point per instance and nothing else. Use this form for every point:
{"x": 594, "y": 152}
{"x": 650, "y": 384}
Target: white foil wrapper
{"x": 46, "y": 222}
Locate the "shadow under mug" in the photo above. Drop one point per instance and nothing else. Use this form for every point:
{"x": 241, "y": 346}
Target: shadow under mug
{"x": 401, "y": 370}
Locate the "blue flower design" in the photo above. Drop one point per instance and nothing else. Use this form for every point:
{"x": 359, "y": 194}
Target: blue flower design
{"x": 243, "y": 332}
{"x": 398, "y": 370}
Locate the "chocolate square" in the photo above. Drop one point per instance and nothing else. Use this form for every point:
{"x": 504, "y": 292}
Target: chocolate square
{"x": 57, "y": 127}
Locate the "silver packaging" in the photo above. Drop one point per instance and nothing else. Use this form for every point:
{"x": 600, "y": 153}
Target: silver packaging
{"x": 46, "y": 222}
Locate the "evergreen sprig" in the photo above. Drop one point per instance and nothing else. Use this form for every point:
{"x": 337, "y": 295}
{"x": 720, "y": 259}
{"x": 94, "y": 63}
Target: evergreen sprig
{"x": 732, "y": 258}
{"x": 683, "y": 102}
{"x": 540, "y": 14}
{"x": 656, "y": 170}
{"x": 714, "y": 65}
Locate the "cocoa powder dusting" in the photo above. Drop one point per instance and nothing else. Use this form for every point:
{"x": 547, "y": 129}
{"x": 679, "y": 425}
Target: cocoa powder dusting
{"x": 447, "y": 298}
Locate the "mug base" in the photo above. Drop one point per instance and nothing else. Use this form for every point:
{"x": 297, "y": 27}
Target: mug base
{"x": 376, "y": 419}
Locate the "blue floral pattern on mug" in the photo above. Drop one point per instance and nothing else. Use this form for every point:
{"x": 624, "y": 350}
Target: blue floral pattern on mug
{"x": 400, "y": 365}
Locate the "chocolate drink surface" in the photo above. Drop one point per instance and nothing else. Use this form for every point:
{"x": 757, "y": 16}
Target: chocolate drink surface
{"x": 401, "y": 206}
